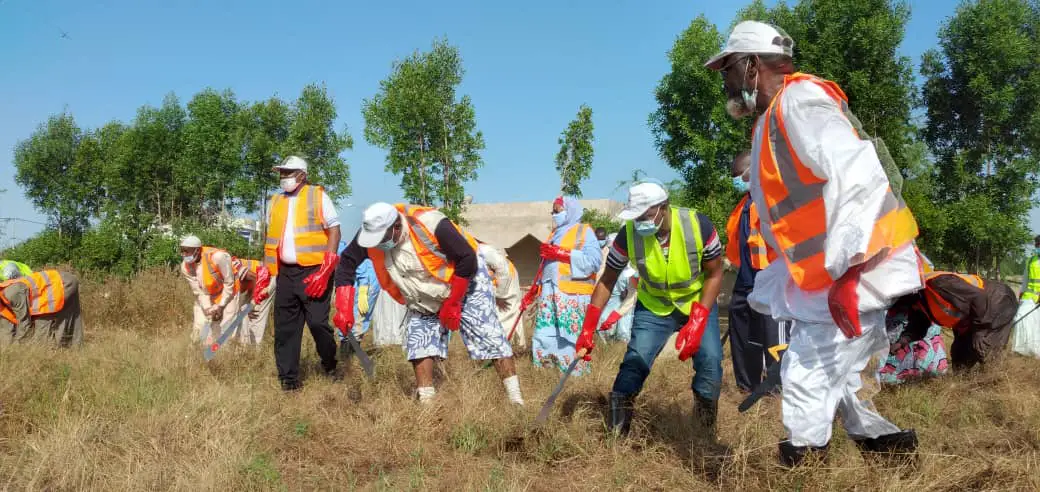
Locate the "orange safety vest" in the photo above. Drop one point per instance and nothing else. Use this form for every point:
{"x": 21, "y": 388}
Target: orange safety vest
{"x": 939, "y": 309}
{"x": 794, "y": 195}
{"x": 212, "y": 280}
{"x": 572, "y": 240}
{"x": 308, "y": 224}
{"x": 426, "y": 247}
{"x": 240, "y": 268}
{"x": 46, "y": 294}
{"x": 761, "y": 254}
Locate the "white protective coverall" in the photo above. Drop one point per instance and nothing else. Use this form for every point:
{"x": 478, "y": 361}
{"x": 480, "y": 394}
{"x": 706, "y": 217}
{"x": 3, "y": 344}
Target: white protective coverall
{"x": 507, "y": 290}
{"x": 821, "y": 368}
{"x": 1025, "y": 340}
{"x": 193, "y": 275}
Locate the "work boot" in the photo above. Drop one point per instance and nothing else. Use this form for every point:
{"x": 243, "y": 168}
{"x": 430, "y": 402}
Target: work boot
{"x": 291, "y": 386}
{"x": 897, "y": 447}
{"x": 705, "y": 412}
{"x": 792, "y": 456}
{"x": 345, "y": 350}
{"x": 622, "y": 407}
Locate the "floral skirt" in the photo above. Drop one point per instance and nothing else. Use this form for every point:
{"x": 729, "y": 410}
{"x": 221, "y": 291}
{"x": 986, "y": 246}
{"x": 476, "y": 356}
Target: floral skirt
{"x": 556, "y": 329}
{"x": 923, "y": 358}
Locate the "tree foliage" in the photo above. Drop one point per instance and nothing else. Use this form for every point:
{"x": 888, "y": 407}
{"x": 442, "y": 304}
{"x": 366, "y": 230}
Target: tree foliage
{"x": 429, "y": 132}
{"x": 574, "y": 160}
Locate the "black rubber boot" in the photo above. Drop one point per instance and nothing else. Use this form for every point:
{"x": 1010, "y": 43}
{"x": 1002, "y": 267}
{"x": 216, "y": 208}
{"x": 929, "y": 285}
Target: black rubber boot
{"x": 705, "y": 413}
{"x": 896, "y": 448}
{"x": 621, "y": 409}
{"x": 792, "y": 456}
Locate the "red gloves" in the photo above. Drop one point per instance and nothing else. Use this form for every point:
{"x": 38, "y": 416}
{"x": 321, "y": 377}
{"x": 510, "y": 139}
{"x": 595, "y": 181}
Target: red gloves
{"x": 588, "y": 328}
{"x": 529, "y": 297}
{"x": 344, "y": 319}
{"x": 451, "y": 309}
{"x": 552, "y": 252}
{"x": 611, "y": 320}
{"x": 318, "y": 281}
{"x": 689, "y": 340}
{"x": 843, "y": 302}
{"x": 262, "y": 284}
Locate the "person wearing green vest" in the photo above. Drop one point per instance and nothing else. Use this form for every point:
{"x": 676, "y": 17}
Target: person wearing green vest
{"x": 679, "y": 259}
{"x": 10, "y": 270}
{"x": 1026, "y": 338}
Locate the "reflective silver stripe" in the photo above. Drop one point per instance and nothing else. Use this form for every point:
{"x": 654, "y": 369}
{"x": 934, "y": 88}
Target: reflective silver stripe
{"x": 273, "y": 241}
{"x": 420, "y": 232}
{"x": 806, "y": 249}
{"x": 311, "y": 249}
{"x": 39, "y": 291}
{"x": 309, "y": 228}
{"x": 665, "y": 300}
{"x": 798, "y": 194}
{"x": 759, "y": 251}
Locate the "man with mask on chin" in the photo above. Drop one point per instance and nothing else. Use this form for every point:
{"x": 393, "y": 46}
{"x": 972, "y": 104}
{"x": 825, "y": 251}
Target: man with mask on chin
{"x": 432, "y": 266}
{"x": 300, "y": 252}
{"x": 844, "y": 240}
{"x": 679, "y": 259}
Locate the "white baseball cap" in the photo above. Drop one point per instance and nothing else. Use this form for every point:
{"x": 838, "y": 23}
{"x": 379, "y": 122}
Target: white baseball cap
{"x": 641, "y": 197}
{"x": 376, "y": 219}
{"x": 191, "y": 241}
{"x": 293, "y": 163}
{"x": 752, "y": 37}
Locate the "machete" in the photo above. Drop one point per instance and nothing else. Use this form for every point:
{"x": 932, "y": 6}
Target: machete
{"x": 543, "y": 415}
{"x": 769, "y": 384}
{"x": 211, "y": 349}
{"x": 366, "y": 362}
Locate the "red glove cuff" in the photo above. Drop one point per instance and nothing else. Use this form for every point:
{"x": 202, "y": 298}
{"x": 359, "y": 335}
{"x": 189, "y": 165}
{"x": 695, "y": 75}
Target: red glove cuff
{"x": 459, "y": 286}
{"x": 592, "y": 315}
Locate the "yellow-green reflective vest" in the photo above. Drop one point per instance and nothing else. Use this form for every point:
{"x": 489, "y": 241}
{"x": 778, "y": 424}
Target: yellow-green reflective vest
{"x": 1032, "y": 291}
{"x": 667, "y": 284}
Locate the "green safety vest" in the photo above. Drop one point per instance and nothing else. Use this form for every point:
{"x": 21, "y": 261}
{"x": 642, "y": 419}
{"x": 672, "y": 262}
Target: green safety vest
{"x": 22, "y": 267}
{"x": 667, "y": 284}
{"x": 1032, "y": 291}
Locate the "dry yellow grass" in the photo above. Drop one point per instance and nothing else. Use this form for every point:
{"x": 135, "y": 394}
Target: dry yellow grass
{"x": 138, "y": 409}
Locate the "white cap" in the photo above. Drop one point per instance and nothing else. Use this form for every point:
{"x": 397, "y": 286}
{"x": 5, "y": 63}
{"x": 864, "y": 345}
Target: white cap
{"x": 11, "y": 271}
{"x": 293, "y": 163}
{"x": 641, "y": 197}
{"x": 376, "y": 219}
{"x": 752, "y": 37}
{"x": 191, "y": 241}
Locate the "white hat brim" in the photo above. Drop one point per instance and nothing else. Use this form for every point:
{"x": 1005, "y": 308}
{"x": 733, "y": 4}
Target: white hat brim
{"x": 371, "y": 239}
{"x": 715, "y": 63}
{"x": 631, "y": 213}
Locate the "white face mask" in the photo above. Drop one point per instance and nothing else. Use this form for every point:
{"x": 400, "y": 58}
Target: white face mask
{"x": 289, "y": 184}
{"x": 188, "y": 258}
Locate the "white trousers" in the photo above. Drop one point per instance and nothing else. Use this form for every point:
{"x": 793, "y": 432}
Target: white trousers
{"x": 251, "y": 332}
{"x": 821, "y": 374}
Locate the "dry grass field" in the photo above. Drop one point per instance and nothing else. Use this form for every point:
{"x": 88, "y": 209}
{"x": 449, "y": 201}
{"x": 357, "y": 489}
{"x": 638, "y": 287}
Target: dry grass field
{"x": 137, "y": 409}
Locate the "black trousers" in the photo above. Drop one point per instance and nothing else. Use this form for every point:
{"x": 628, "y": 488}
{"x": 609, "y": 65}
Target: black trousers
{"x": 292, "y": 307}
{"x": 751, "y": 334}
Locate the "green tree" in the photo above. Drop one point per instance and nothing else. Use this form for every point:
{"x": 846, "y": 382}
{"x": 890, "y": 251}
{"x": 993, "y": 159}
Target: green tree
{"x": 428, "y": 132}
{"x": 212, "y": 150}
{"x": 312, "y": 135}
{"x": 983, "y": 127}
{"x": 47, "y": 167}
{"x": 263, "y": 130}
{"x": 574, "y": 160}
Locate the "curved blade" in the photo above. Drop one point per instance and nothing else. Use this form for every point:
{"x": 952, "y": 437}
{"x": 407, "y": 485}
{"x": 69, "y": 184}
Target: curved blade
{"x": 543, "y": 415}
{"x": 211, "y": 350}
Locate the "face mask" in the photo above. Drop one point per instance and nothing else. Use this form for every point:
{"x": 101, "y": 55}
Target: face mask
{"x": 288, "y": 184}
{"x": 559, "y": 218}
{"x": 740, "y": 184}
{"x": 188, "y": 258}
{"x": 388, "y": 244}
{"x": 647, "y": 227}
{"x": 750, "y": 97}
{"x": 603, "y": 243}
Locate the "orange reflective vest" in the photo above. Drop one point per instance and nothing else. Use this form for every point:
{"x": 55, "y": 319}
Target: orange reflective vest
{"x": 426, "y": 248}
{"x": 574, "y": 239}
{"x": 46, "y": 294}
{"x": 794, "y": 195}
{"x": 308, "y": 225}
{"x": 240, "y": 268}
{"x": 212, "y": 280}
{"x": 761, "y": 255}
{"x": 939, "y": 309}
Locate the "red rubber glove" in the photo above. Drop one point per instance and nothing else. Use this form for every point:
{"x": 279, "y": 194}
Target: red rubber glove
{"x": 529, "y": 298}
{"x": 262, "y": 284}
{"x": 689, "y": 340}
{"x": 318, "y": 281}
{"x": 585, "y": 342}
{"x": 451, "y": 309}
{"x": 611, "y": 320}
{"x": 344, "y": 319}
{"x": 843, "y": 302}
{"x": 552, "y": 252}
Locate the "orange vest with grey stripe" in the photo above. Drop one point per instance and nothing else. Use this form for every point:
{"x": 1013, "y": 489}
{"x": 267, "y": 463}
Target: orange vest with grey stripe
{"x": 241, "y": 268}
{"x": 574, "y": 239}
{"x": 308, "y": 225}
{"x": 943, "y": 312}
{"x": 46, "y": 294}
{"x": 761, "y": 255}
{"x": 212, "y": 280}
{"x": 794, "y": 195}
{"x": 426, "y": 247}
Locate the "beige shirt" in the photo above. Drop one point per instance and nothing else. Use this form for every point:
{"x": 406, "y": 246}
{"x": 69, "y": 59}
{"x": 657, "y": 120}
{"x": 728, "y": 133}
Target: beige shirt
{"x": 193, "y": 275}
{"x": 508, "y": 287}
{"x": 422, "y": 292}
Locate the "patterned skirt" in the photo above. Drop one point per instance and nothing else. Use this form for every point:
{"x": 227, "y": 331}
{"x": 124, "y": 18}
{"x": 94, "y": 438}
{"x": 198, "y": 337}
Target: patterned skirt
{"x": 556, "y": 329}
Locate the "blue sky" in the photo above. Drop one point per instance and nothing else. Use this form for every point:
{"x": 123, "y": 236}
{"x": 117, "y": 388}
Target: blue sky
{"x": 529, "y": 65}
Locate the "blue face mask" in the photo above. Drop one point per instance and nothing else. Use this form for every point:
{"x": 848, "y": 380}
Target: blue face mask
{"x": 1037, "y": 251}
{"x": 559, "y": 218}
{"x": 387, "y": 245}
{"x": 603, "y": 243}
{"x": 647, "y": 228}
{"x": 740, "y": 184}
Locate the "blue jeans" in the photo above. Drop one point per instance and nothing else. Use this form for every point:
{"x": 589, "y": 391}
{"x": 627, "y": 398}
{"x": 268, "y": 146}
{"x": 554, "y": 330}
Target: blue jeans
{"x": 649, "y": 334}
